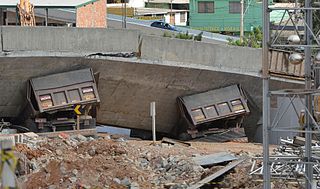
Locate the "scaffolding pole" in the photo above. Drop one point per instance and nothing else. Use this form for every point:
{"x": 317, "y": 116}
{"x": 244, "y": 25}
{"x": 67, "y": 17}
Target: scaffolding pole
{"x": 308, "y": 99}
{"x": 265, "y": 85}
{"x": 309, "y": 121}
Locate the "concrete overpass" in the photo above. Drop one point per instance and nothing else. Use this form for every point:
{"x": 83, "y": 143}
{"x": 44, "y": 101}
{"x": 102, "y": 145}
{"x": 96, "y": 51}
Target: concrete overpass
{"x": 162, "y": 70}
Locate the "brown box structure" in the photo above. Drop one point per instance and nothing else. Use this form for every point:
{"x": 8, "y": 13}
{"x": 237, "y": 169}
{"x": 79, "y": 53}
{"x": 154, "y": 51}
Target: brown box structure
{"x": 92, "y": 14}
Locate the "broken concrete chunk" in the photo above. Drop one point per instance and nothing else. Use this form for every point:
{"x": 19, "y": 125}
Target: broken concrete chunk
{"x": 31, "y": 135}
{"x": 118, "y": 181}
{"x": 75, "y": 172}
{"x": 58, "y": 152}
{"x": 134, "y": 185}
{"x": 81, "y": 138}
{"x": 92, "y": 151}
{"x": 73, "y": 179}
{"x": 52, "y": 187}
{"x": 125, "y": 182}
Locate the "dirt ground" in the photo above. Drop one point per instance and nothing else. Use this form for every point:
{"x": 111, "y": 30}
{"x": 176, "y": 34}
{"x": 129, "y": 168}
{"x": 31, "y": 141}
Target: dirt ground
{"x": 105, "y": 162}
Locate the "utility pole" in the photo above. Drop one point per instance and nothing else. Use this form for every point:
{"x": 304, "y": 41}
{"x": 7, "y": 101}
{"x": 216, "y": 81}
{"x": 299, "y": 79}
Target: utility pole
{"x": 171, "y": 11}
{"x": 47, "y": 16}
{"x": 125, "y": 13}
{"x": 241, "y": 21}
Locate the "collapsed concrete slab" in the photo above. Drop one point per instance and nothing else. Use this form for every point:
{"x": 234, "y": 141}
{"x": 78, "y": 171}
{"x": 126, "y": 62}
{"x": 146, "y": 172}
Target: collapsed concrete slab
{"x": 127, "y": 87}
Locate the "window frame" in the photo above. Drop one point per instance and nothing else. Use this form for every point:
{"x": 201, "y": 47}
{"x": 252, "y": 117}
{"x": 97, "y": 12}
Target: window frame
{"x": 182, "y": 17}
{"x": 206, "y": 7}
{"x": 233, "y": 10}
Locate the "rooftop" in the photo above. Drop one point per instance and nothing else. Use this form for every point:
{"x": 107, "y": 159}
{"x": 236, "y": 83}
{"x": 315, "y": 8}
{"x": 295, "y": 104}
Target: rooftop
{"x": 147, "y": 11}
{"x": 169, "y": 1}
{"x": 48, "y": 3}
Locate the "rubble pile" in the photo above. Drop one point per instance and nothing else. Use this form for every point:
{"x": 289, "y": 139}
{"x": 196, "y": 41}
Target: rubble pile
{"x": 86, "y": 162}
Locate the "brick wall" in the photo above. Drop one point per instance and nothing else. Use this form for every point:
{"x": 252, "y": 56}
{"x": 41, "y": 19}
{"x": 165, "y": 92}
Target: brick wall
{"x": 92, "y": 15}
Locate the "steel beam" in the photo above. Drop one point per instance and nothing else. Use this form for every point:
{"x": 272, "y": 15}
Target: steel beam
{"x": 308, "y": 99}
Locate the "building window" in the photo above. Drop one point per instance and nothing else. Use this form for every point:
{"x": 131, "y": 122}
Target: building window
{"x": 182, "y": 17}
{"x": 205, "y": 7}
{"x": 234, "y": 7}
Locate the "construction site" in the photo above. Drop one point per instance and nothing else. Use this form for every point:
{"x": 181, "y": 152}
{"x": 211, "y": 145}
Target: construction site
{"x": 92, "y": 102}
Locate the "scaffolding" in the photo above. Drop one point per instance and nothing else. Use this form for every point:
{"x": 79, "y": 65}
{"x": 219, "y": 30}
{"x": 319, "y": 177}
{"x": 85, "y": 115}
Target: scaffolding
{"x": 302, "y": 44}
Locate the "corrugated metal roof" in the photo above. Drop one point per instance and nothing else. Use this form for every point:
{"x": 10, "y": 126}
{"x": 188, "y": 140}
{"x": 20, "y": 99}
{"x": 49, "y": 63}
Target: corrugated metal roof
{"x": 169, "y": 1}
{"x": 49, "y": 3}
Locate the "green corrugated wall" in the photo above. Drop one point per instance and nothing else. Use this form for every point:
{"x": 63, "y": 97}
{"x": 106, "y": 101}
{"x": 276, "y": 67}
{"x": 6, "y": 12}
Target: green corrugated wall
{"x": 222, "y": 20}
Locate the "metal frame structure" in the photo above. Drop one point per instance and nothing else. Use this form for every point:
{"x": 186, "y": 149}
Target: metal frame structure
{"x": 309, "y": 43}
{"x": 287, "y": 162}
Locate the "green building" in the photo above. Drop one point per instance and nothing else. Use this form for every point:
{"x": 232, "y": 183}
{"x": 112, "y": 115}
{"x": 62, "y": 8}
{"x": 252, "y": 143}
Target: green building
{"x": 224, "y": 15}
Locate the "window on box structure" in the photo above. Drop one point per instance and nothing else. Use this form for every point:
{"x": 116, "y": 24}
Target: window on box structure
{"x": 205, "y": 7}
{"x": 234, "y": 7}
{"x": 182, "y": 17}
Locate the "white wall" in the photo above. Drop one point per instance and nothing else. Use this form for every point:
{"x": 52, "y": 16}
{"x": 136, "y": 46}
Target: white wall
{"x": 167, "y": 18}
{"x": 177, "y": 18}
{"x": 136, "y": 3}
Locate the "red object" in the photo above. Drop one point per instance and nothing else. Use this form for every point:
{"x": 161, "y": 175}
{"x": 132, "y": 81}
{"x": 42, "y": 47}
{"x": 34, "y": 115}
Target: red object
{"x": 63, "y": 135}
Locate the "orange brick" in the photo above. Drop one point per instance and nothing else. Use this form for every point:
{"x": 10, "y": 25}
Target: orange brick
{"x": 92, "y": 15}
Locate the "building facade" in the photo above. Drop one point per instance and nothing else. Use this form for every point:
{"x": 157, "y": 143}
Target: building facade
{"x": 224, "y": 15}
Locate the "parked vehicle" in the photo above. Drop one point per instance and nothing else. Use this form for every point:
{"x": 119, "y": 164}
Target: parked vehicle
{"x": 62, "y": 101}
{"x": 163, "y": 25}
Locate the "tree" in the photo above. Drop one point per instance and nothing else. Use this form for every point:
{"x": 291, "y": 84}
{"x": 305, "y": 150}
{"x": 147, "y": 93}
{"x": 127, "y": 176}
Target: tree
{"x": 252, "y": 39}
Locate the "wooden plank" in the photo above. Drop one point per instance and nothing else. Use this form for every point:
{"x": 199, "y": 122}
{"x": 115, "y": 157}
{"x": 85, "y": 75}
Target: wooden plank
{"x": 216, "y": 174}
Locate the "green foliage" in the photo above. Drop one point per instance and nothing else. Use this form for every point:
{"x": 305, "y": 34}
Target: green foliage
{"x": 198, "y": 37}
{"x": 185, "y": 36}
{"x": 252, "y": 39}
{"x": 167, "y": 34}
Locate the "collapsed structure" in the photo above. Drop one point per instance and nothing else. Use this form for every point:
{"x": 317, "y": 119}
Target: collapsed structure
{"x": 126, "y": 85}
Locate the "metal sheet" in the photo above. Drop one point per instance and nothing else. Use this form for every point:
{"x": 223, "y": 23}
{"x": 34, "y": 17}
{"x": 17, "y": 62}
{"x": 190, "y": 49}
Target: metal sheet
{"x": 214, "y": 158}
{"x": 62, "y": 79}
{"x": 222, "y": 137}
{"x": 215, "y": 104}
{"x": 211, "y": 97}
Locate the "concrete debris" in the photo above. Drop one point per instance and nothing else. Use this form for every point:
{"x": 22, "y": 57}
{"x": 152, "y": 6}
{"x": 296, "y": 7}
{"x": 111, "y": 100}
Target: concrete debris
{"x": 76, "y": 161}
{"x": 216, "y": 174}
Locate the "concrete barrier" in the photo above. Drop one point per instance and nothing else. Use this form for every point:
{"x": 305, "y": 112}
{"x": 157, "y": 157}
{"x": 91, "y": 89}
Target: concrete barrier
{"x": 206, "y": 54}
{"x": 66, "y": 39}
{"x": 154, "y": 48}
